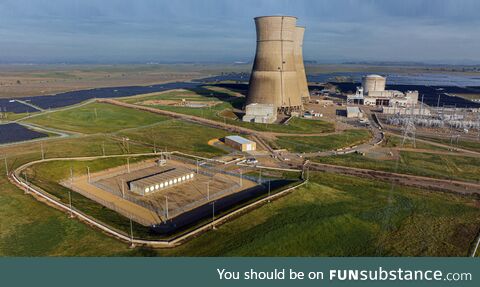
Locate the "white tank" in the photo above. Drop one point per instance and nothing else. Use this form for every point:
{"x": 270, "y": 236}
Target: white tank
{"x": 373, "y": 83}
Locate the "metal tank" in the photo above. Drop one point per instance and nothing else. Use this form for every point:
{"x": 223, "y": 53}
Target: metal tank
{"x": 373, "y": 83}
{"x": 298, "y": 52}
{"x": 274, "y": 75}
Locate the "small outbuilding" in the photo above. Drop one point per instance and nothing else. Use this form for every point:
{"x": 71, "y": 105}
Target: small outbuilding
{"x": 260, "y": 113}
{"x": 354, "y": 112}
{"x": 240, "y": 143}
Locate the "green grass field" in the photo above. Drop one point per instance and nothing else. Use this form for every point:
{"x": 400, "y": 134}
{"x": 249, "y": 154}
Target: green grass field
{"x": 178, "y": 135}
{"x": 97, "y": 118}
{"x": 337, "y": 215}
{"x": 466, "y": 144}
{"x": 333, "y": 215}
{"x": 31, "y": 228}
{"x": 223, "y": 112}
{"x": 48, "y": 175}
{"x": 323, "y": 143}
{"x": 396, "y": 142}
{"x": 431, "y": 165}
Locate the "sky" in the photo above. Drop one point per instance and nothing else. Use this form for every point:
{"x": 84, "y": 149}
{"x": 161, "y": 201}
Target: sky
{"x": 139, "y": 31}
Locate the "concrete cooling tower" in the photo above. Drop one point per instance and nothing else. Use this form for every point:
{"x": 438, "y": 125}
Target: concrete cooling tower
{"x": 373, "y": 83}
{"x": 298, "y": 52}
{"x": 274, "y": 77}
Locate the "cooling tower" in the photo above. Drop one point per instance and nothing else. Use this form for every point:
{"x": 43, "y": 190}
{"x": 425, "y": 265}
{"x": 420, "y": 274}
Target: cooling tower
{"x": 373, "y": 83}
{"x": 274, "y": 75}
{"x": 298, "y": 52}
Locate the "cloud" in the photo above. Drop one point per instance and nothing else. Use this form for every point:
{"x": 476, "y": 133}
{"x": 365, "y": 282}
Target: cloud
{"x": 211, "y": 30}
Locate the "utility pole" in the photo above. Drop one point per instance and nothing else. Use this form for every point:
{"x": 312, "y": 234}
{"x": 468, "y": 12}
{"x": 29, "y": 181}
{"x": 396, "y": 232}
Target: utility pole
{"x": 71, "y": 176}
{"x": 241, "y": 177}
{"x": 70, "y": 203}
{"x": 43, "y": 153}
{"x": 208, "y": 190}
{"x": 128, "y": 165}
{"x": 26, "y": 182}
{"x": 131, "y": 234}
{"x": 269, "y": 190}
{"x": 123, "y": 189}
{"x": 166, "y": 207}
{"x": 197, "y": 166}
{"x": 213, "y": 216}
{"x": 88, "y": 174}
{"x": 6, "y": 165}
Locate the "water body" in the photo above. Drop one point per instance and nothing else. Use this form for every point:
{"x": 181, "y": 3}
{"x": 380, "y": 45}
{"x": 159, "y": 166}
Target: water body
{"x": 10, "y": 133}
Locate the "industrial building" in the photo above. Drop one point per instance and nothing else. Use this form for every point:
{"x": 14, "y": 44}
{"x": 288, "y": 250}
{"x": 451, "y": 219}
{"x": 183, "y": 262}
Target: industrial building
{"x": 165, "y": 179}
{"x": 260, "y": 113}
{"x": 240, "y": 143}
{"x": 354, "y": 112}
{"x": 276, "y": 70}
{"x": 373, "y": 93}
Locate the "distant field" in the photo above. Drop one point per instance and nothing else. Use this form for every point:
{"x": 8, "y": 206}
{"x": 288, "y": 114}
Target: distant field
{"x": 224, "y": 112}
{"x": 323, "y": 143}
{"x": 431, "y": 165}
{"x": 97, "y": 118}
{"x": 38, "y": 80}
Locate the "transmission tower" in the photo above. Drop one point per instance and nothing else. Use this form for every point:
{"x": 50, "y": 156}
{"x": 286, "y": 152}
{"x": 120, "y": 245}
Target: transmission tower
{"x": 409, "y": 130}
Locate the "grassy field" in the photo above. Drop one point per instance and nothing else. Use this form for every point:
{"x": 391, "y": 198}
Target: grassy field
{"x": 466, "y": 144}
{"x": 337, "y": 215}
{"x": 432, "y": 165}
{"x": 48, "y": 175}
{"x": 31, "y": 228}
{"x": 97, "y": 118}
{"x": 323, "y": 143}
{"x": 178, "y": 135}
{"x": 333, "y": 215}
{"x": 223, "y": 112}
{"x": 396, "y": 142}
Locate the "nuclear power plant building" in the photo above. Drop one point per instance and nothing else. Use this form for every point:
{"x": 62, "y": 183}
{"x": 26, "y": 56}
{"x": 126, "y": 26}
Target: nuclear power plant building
{"x": 277, "y": 77}
{"x": 373, "y": 93}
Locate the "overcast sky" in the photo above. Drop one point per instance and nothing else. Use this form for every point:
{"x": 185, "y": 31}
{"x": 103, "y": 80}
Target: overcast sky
{"x": 223, "y": 30}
